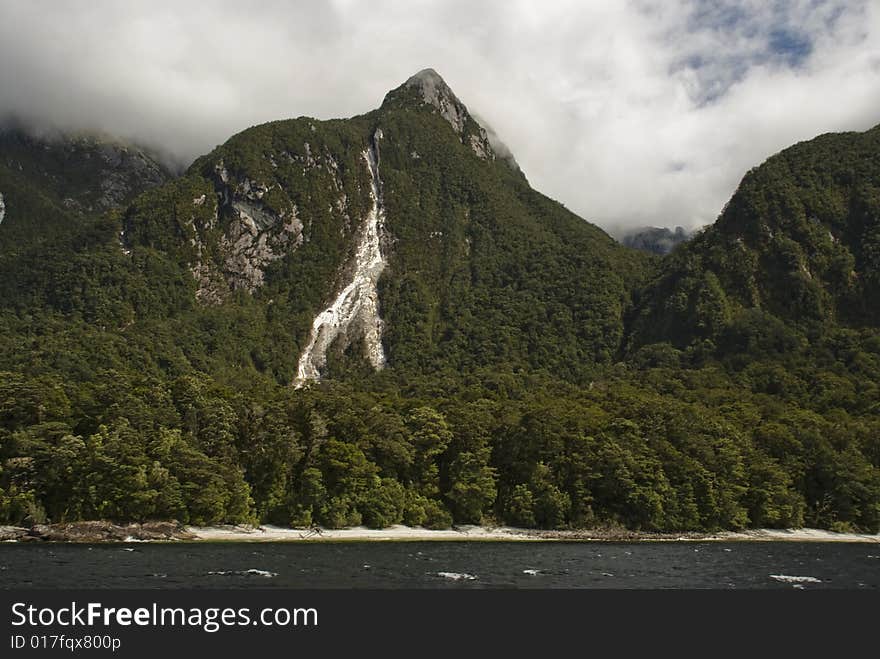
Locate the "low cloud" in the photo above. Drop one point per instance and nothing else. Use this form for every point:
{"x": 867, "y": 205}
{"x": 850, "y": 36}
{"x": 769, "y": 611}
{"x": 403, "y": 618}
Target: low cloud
{"x": 639, "y": 113}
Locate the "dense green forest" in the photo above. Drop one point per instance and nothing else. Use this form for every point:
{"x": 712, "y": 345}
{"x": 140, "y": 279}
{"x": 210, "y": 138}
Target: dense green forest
{"x": 539, "y": 374}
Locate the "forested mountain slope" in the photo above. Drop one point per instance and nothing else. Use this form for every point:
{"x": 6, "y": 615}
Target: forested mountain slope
{"x": 798, "y": 243}
{"x": 377, "y": 320}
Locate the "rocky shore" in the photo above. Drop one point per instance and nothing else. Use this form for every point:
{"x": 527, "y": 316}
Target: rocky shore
{"x": 97, "y": 531}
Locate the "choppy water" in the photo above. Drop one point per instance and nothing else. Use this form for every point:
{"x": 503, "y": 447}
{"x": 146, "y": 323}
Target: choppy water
{"x": 738, "y": 565}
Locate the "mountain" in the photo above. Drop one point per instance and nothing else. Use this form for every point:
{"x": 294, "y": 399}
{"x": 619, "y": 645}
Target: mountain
{"x": 59, "y": 193}
{"x": 377, "y": 320}
{"x": 656, "y": 240}
{"x": 797, "y": 244}
{"x": 74, "y": 174}
{"x": 87, "y": 172}
{"x": 395, "y": 237}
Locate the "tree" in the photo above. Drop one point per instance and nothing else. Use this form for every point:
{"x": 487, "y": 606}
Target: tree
{"x": 473, "y": 486}
{"x": 430, "y": 436}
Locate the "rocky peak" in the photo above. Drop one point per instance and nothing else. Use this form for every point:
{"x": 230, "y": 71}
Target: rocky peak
{"x": 434, "y": 91}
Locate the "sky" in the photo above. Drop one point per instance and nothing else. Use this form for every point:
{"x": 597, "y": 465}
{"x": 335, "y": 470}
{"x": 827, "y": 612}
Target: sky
{"x": 631, "y": 113}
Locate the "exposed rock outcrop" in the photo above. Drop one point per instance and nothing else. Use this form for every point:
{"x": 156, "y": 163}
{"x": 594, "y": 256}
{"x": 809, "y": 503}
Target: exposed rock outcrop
{"x": 103, "y": 531}
{"x": 435, "y": 92}
{"x": 10, "y": 533}
{"x": 125, "y": 171}
{"x": 255, "y": 236}
{"x": 255, "y": 239}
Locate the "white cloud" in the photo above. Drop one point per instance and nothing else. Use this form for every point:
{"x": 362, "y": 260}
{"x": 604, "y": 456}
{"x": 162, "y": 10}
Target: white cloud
{"x": 646, "y": 112}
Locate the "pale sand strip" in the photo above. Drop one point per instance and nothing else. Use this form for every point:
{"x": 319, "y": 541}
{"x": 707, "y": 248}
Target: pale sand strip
{"x": 399, "y": 532}
{"x": 465, "y": 533}
{"x": 798, "y": 535}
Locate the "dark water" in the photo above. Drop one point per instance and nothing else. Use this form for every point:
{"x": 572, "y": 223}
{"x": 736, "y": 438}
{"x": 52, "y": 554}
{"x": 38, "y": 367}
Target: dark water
{"x": 738, "y": 565}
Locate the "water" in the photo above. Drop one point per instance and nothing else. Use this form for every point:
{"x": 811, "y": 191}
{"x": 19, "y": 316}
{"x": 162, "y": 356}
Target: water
{"x": 737, "y": 565}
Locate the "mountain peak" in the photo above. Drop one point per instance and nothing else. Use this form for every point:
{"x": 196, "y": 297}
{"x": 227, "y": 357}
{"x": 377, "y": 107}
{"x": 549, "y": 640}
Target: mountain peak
{"x": 426, "y": 77}
{"x": 435, "y": 92}
{"x": 431, "y": 89}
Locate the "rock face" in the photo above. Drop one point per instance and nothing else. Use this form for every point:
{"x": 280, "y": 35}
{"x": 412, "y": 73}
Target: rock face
{"x": 87, "y": 173}
{"x": 435, "y": 92}
{"x": 235, "y": 234}
{"x": 255, "y": 239}
{"x": 355, "y": 311}
{"x": 255, "y": 236}
{"x": 125, "y": 171}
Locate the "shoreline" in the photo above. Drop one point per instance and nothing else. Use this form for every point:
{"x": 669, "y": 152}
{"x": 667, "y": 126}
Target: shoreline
{"x": 507, "y": 534}
{"x": 157, "y": 532}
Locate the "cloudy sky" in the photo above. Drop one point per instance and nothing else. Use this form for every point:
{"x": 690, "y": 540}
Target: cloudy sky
{"x": 641, "y": 112}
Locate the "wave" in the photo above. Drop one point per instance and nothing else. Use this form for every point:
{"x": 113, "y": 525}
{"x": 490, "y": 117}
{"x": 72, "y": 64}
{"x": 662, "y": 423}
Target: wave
{"x": 785, "y": 578}
{"x": 457, "y": 576}
{"x": 243, "y": 573}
